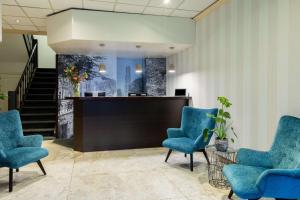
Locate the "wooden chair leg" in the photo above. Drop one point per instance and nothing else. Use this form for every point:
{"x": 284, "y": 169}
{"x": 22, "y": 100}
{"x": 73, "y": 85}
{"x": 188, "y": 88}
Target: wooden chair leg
{"x": 206, "y": 157}
{"x": 191, "y": 162}
{"x": 168, "y": 155}
{"x": 10, "y": 182}
{"x": 185, "y": 155}
{"x": 230, "y": 194}
{"x": 41, "y": 166}
{"x": 17, "y": 170}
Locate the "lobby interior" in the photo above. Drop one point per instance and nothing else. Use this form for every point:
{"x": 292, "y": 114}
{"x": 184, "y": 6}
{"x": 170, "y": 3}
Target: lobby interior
{"x": 149, "y": 99}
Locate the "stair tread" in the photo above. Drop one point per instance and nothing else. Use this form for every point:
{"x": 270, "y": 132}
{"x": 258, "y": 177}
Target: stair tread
{"x": 38, "y": 121}
{"x": 40, "y": 107}
{"x": 38, "y": 129}
{"x": 39, "y": 94}
{"x": 40, "y": 100}
{"x": 37, "y": 114}
{"x": 44, "y": 83}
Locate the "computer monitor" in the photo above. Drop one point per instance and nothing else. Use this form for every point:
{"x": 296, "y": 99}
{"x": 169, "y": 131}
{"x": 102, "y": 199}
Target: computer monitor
{"x": 88, "y": 94}
{"x": 101, "y": 94}
{"x": 180, "y": 92}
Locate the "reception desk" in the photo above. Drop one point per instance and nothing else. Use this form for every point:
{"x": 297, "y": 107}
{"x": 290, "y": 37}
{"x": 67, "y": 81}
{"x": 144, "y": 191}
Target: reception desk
{"x": 110, "y": 123}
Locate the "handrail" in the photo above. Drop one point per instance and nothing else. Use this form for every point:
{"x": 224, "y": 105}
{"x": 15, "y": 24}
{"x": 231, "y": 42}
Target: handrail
{"x": 17, "y": 97}
{"x": 26, "y": 66}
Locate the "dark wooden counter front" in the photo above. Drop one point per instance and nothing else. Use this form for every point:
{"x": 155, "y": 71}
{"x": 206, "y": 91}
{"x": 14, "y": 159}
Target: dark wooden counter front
{"x": 109, "y": 123}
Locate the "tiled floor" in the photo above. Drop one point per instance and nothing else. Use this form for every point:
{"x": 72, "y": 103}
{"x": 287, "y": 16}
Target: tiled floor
{"x": 139, "y": 174}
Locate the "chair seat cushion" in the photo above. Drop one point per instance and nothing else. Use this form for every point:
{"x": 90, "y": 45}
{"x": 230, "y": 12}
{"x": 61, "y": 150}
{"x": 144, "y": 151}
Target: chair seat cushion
{"x": 243, "y": 179}
{"x": 182, "y": 144}
{"x": 18, "y": 157}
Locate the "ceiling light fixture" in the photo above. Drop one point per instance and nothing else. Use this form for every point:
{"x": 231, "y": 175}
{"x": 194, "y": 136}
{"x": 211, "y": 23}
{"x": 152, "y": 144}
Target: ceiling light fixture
{"x": 172, "y": 66}
{"x": 18, "y": 21}
{"x": 102, "y": 68}
{"x": 138, "y": 67}
{"x": 166, "y": 1}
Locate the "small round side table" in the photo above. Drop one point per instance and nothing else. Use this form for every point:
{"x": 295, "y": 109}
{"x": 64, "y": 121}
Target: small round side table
{"x": 217, "y": 160}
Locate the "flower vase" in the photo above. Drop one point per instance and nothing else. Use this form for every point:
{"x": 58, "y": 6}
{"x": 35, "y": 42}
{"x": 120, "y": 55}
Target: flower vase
{"x": 76, "y": 90}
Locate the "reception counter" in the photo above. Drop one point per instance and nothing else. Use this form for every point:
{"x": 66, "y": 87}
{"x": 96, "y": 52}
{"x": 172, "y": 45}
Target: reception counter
{"x": 110, "y": 123}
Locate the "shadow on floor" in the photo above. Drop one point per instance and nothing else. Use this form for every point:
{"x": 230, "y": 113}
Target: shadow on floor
{"x": 64, "y": 142}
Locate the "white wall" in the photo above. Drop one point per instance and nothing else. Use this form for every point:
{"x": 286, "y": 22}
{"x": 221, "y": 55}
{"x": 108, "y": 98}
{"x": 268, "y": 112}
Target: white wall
{"x": 46, "y": 56}
{"x": 13, "y": 57}
{"x": 247, "y": 50}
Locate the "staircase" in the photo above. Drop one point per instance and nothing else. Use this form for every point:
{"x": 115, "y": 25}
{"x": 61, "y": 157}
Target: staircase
{"x": 39, "y": 110}
{"x": 36, "y": 95}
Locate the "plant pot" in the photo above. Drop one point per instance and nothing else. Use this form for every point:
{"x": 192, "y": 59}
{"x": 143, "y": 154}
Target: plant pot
{"x": 76, "y": 90}
{"x": 221, "y": 145}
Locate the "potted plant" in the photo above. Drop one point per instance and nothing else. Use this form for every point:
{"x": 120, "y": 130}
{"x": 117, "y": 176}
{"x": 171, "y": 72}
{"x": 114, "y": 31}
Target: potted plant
{"x": 2, "y": 97}
{"x": 222, "y": 127}
{"x": 75, "y": 76}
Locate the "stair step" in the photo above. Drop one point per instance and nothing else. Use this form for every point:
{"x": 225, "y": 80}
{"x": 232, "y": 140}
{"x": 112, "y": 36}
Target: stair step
{"x": 39, "y": 122}
{"x": 45, "y": 79}
{"x": 38, "y": 114}
{"x": 46, "y": 70}
{"x": 43, "y": 83}
{"x": 46, "y": 132}
{"x": 40, "y": 96}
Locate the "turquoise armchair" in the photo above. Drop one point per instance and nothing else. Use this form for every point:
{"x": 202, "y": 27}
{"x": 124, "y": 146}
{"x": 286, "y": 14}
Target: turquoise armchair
{"x": 271, "y": 174}
{"x": 17, "y": 150}
{"x": 189, "y": 138}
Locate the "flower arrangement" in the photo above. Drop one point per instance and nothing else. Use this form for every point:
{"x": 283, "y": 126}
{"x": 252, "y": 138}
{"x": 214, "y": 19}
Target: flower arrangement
{"x": 75, "y": 76}
{"x": 2, "y": 96}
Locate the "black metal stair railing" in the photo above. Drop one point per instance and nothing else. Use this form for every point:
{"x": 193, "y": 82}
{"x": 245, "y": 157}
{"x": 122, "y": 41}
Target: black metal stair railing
{"x": 16, "y": 98}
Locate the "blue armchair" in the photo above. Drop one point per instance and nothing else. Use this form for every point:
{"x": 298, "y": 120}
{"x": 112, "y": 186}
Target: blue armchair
{"x": 189, "y": 138}
{"x": 271, "y": 174}
{"x": 17, "y": 150}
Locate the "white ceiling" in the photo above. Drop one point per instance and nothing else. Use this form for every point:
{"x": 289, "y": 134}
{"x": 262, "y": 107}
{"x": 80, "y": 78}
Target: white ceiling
{"x": 30, "y": 15}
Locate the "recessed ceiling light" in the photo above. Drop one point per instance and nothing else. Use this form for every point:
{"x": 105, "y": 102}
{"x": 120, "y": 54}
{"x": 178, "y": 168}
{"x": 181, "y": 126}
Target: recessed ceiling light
{"x": 166, "y": 1}
{"x": 18, "y": 21}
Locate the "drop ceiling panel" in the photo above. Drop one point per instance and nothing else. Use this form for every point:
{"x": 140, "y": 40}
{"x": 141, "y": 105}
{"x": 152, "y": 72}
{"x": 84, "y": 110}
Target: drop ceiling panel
{"x": 17, "y": 20}
{"x": 161, "y": 3}
{"x": 184, "y": 13}
{"x": 198, "y": 5}
{"x": 134, "y": 2}
{"x": 9, "y": 2}
{"x": 129, "y": 8}
{"x": 12, "y": 11}
{"x": 97, "y": 5}
{"x": 38, "y": 21}
{"x": 34, "y": 3}
{"x": 36, "y": 12}
{"x": 25, "y": 28}
{"x": 64, "y": 4}
{"x": 157, "y": 11}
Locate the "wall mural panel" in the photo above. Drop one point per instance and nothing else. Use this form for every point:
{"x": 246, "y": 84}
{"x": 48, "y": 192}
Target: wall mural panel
{"x": 119, "y": 80}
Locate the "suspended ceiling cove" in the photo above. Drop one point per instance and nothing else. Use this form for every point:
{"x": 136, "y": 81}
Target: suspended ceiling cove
{"x": 25, "y": 16}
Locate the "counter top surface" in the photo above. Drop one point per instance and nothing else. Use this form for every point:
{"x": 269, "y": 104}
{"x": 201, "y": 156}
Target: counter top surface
{"x": 123, "y": 98}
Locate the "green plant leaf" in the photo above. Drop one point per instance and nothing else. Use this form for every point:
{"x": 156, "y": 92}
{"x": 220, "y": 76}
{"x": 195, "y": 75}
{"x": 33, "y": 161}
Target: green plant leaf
{"x": 227, "y": 115}
{"x": 206, "y": 134}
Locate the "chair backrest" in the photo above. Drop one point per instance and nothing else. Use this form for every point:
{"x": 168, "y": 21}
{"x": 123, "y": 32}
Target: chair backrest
{"x": 285, "y": 151}
{"x": 195, "y": 120}
{"x": 10, "y": 129}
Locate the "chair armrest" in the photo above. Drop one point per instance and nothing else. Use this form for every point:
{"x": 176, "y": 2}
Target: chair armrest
{"x": 31, "y": 141}
{"x": 280, "y": 183}
{"x": 175, "y": 133}
{"x": 254, "y": 158}
{"x": 200, "y": 142}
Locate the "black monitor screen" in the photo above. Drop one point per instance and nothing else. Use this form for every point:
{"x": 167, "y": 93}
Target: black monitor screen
{"x": 180, "y": 92}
